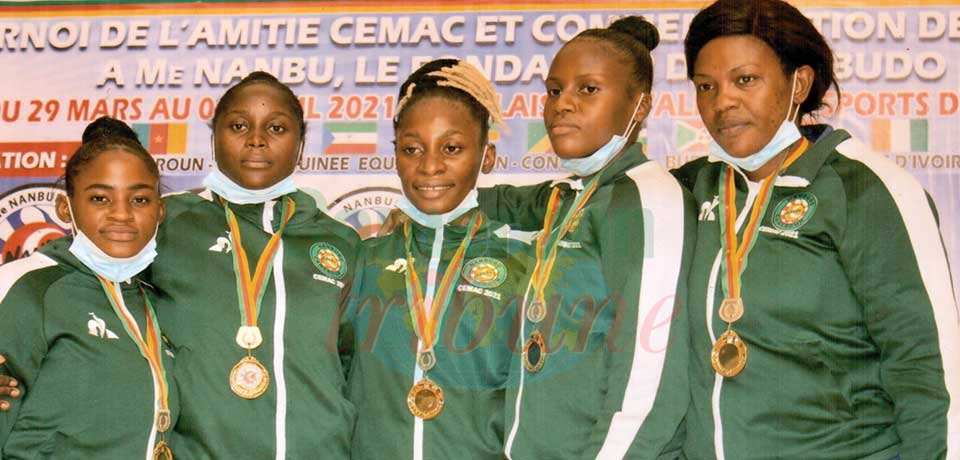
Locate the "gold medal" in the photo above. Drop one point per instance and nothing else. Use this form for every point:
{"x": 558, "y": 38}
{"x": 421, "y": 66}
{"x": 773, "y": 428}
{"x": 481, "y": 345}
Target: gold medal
{"x": 537, "y": 311}
{"x": 162, "y": 451}
{"x": 425, "y": 399}
{"x": 534, "y": 352}
{"x": 731, "y": 309}
{"x": 426, "y": 360}
{"x": 163, "y": 420}
{"x": 249, "y": 337}
{"x": 729, "y": 354}
{"x": 248, "y": 378}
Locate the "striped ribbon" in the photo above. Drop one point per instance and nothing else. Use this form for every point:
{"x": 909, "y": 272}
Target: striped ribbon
{"x": 735, "y": 252}
{"x": 149, "y": 347}
{"x": 549, "y": 239}
{"x": 250, "y": 289}
{"x": 426, "y": 324}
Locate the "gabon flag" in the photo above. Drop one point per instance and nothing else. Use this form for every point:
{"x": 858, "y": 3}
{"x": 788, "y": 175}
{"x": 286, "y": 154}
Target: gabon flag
{"x": 162, "y": 138}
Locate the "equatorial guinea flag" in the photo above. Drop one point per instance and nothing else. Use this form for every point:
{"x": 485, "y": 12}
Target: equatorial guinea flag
{"x": 350, "y": 137}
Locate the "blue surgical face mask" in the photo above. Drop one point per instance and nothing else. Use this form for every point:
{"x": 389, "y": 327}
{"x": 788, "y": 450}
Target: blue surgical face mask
{"x": 222, "y": 185}
{"x": 594, "y": 162}
{"x": 112, "y": 268}
{"x": 786, "y": 135}
{"x": 436, "y": 221}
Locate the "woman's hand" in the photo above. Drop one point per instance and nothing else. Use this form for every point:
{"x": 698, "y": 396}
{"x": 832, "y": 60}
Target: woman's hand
{"x": 395, "y": 219}
{"x": 8, "y": 388}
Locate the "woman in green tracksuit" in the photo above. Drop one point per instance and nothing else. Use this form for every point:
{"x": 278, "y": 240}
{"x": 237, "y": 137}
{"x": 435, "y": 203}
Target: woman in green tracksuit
{"x": 824, "y": 324}
{"x": 603, "y": 368}
{"x": 433, "y": 304}
{"x": 252, "y": 274}
{"x": 79, "y": 330}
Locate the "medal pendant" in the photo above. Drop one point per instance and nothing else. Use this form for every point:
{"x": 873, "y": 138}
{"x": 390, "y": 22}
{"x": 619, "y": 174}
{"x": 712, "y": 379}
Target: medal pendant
{"x": 537, "y": 311}
{"x": 426, "y": 360}
{"x": 163, "y": 420}
{"x": 731, "y": 309}
{"x": 162, "y": 451}
{"x": 425, "y": 399}
{"x": 534, "y": 352}
{"x": 249, "y": 337}
{"x": 248, "y": 378}
{"x": 729, "y": 355}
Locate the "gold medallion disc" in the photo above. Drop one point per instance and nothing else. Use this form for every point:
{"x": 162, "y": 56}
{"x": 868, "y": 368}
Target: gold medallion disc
{"x": 162, "y": 451}
{"x": 425, "y": 399}
{"x": 534, "y": 352}
{"x": 729, "y": 355}
{"x": 248, "y": 378}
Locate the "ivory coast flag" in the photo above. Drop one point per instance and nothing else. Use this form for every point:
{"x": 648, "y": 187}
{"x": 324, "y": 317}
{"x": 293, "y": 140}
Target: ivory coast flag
{"x": 900, "y": 135}
{"x": 162, "y": 138}
{"x": 537, "y": 140}
{"x": 345, "y": 137}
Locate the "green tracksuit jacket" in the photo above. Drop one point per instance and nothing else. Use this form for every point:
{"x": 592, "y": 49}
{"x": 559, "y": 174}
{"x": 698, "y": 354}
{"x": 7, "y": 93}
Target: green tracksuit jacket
{"x": 849, "y": 317}
{"x": 472, "y": 352}
{"x": 614, "y": 383}
{"x": 87, "y": 390}
{"x": 304, "y": 413}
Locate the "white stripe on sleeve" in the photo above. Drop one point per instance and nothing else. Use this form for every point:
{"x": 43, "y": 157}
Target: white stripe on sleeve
{"x": 663, "y": 215}
{"x": 11, "y": 272}
{"x": 924, "y": 235}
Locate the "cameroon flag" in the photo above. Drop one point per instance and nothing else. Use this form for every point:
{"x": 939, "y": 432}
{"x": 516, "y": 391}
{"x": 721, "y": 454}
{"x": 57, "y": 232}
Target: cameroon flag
{"x": 162, "y": 138}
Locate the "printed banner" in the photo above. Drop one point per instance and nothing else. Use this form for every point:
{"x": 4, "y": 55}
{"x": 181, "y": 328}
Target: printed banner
{"x": 161, "y": 67}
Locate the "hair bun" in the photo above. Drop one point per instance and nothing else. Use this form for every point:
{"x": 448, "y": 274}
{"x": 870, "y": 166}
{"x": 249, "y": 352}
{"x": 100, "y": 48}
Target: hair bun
{"x": 108, "y": 128}
{"x": 638, "y": 28}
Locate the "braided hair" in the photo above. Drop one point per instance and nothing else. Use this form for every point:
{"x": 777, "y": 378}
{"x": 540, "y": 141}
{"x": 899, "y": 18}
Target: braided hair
{"x": 456, "y": 80}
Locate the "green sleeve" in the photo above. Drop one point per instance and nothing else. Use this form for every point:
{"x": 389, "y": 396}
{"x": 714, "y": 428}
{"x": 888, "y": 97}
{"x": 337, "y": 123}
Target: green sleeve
{"x": 646, "y": 254}
{"x": 521, "y": 207}
{"x": 22, "y": 338}
{"x": 894, "y": 257}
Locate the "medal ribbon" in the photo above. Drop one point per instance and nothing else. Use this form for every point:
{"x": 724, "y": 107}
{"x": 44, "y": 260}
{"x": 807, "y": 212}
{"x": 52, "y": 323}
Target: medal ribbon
{"x": 149, "y": 348}
{"x": 735, "y": 252}
{"x": 426, "y": 328}
{"x": 549, "y": 240}
{"x": 250, "y": 289}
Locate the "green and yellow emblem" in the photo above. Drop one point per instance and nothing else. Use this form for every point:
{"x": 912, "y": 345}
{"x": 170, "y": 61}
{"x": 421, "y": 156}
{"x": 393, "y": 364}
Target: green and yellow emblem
{"x": 485, "y": 272}
{"x": 793, "y": 212}
{"x": 328, "y": 259}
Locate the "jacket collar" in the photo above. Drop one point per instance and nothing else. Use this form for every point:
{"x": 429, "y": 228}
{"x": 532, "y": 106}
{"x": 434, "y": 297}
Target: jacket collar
{"x": 253, "y": 213}
{"x": 632, "y": 157}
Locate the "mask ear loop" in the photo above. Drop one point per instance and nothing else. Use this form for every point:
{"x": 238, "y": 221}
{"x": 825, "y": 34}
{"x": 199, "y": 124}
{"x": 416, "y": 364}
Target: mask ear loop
{"x": 791, "y": 113}
{"x": 633, "y": 117}
{"x": 476, "y": 180}
{"x": 213, "y": 150}
{"x": 73, "y": 219}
